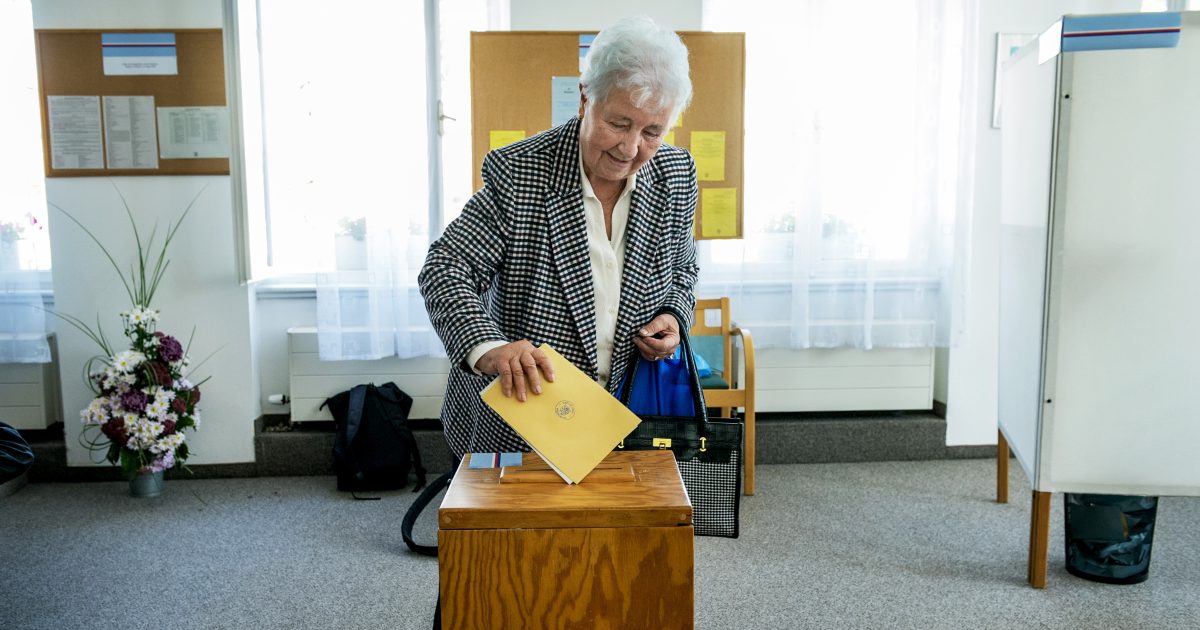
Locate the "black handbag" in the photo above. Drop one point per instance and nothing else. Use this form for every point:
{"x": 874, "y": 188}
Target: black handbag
{"x": 707, "y": 450}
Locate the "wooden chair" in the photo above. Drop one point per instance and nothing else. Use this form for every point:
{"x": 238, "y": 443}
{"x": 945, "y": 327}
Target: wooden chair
{"x": 726, "y": 391}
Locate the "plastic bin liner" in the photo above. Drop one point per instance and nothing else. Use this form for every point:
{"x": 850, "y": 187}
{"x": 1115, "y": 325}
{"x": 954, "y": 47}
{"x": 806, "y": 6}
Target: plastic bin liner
{"x": 1109, "y": 536}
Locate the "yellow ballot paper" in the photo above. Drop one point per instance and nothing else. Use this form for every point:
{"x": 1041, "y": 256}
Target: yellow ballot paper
{"x": 572, "y": 424}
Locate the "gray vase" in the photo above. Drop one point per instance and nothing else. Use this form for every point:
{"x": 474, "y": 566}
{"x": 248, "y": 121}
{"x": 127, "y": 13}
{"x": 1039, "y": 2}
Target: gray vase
{"x": 145, "y": 484}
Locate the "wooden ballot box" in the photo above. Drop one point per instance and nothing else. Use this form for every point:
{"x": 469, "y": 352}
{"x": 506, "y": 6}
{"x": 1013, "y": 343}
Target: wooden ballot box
{"x": 519, "y": 548}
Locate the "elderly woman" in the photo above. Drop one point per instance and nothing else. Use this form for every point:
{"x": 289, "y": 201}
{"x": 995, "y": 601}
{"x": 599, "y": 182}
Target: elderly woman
{"x": 581, "y": 238}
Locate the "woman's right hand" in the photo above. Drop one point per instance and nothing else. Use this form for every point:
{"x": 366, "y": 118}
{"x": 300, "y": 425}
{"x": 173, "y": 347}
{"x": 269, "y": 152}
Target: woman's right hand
{"x": 516, "y": 364}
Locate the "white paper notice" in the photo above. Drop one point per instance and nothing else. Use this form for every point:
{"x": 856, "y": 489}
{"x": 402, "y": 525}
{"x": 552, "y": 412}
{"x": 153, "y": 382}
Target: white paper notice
{"x": 75, "y": 134}
{"x": 193, "y": 132}
{"x": 564, "y": 99}
{"x": 129, "y": 134}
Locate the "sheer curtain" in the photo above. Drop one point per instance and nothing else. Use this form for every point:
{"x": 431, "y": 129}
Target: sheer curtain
{"x": 858, "y": 172}
{"x": 346, "y": 165}
{"x": 24, "y": 247}
{"x": 368, "y": 307}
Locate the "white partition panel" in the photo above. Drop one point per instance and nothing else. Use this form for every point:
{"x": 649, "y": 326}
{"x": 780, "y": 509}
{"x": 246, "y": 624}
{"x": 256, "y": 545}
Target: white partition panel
{"x": 1026, "y": 162}
{"x": 1126, "y": 386}
{"x": 1113, "y": 405}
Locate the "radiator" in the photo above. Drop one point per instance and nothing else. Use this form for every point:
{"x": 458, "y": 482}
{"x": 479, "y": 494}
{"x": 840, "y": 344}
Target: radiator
{"x": 311, "y": 381}
{"x": 844, "y": 379}
{"x": 787, "y": 380}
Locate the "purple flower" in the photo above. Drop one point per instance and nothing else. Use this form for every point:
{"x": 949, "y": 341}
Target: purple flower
{"x": 133, "y": 400}
{"x": 163, "y": 463}
{"x": 169, "y": 348}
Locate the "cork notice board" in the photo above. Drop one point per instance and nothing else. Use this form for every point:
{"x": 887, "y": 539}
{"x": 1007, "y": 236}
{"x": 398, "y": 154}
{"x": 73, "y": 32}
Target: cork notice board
{"x": 70, "y": 64}
{"x": 511, "y": 86}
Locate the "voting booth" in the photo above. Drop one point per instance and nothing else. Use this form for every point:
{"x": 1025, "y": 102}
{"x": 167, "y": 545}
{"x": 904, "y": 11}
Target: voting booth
{"x": 519, "y": 548}
{"x": 1099, "y": 353}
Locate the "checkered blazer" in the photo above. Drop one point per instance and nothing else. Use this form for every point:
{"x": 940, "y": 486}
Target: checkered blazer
{"x": 514, "y": 265}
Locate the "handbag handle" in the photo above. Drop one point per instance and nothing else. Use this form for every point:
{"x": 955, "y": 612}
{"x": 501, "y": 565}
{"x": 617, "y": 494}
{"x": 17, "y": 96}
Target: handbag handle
{"x": 693, "y": 373}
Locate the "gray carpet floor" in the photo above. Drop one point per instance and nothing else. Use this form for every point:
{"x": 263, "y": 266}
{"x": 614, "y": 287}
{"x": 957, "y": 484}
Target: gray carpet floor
{"x": 863, "y": 545}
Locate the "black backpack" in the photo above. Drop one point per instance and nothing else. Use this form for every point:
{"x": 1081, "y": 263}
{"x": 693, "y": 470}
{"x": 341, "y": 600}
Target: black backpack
{"x": 373, "y": 448}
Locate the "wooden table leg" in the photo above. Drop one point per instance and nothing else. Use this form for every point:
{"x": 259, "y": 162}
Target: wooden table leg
{"x": 1001, "y": 468}
{"x": 1039, "y": 538}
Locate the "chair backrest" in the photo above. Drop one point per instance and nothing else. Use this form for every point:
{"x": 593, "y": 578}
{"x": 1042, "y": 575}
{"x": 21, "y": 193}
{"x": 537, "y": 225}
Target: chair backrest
{"x": 705, "y": 336}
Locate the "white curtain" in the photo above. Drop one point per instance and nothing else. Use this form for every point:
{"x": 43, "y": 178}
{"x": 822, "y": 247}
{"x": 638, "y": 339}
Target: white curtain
{"x": 24, "y": 247}
{"x": 346, "y": 162}
{"x": 22, "y": 320}
{"x": 859, "y": 154}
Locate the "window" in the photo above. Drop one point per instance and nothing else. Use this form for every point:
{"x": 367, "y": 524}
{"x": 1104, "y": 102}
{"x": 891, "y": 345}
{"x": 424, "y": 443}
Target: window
{"x": 854, "y": 171}
{"x": 346, "y": 129}
{"x": 343, "y": 128}
{"x": 342, "y": 136}
{"x": 24, "y": 241}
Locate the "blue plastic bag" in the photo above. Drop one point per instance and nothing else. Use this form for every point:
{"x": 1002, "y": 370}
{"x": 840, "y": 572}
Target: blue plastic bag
{"x": 661, "y": 388}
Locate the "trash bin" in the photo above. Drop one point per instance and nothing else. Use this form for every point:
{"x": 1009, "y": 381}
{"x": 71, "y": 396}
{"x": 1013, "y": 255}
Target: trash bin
{"x": 1109, "y": 536}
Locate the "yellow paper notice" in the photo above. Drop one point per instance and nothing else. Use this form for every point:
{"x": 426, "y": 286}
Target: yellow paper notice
{"x": 718, "y": 212}
{"x": 708, "y": 148}
{"x": 500, "y": 138}
{"x": 670, "y": 137}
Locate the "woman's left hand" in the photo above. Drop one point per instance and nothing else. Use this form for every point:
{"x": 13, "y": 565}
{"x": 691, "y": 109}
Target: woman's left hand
{"x": 659, "y": 338}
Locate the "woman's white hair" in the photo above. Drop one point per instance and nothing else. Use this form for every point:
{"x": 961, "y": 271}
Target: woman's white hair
{"x": 638, "y": 55}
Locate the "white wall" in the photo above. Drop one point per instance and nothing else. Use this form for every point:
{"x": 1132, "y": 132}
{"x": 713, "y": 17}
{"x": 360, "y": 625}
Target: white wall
{"x": 275, "y": 315}
{"x": 199, "y": 290}
{"x": 971, "y": 374}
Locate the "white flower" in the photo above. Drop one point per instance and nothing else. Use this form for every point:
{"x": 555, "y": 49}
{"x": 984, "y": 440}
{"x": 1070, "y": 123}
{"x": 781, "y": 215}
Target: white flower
{"x": 97, "y": 412}
{"x": 111, "y": 375}
{"x": 156, "y": 409}
{"x": 144, "y": 430}
{"x": 128, "y": 361}
{"x": 167, "y": 443}
{"x": 182, "y": 383}
{"x": 165, "y": 395}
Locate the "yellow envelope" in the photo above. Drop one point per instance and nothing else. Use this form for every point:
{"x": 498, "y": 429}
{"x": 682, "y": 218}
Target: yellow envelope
{"x": 572, "y": 424}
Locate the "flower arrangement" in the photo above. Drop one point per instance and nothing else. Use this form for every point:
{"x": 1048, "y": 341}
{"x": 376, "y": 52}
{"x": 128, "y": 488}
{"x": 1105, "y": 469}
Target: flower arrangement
{"x": 144, "y": 400}
{"x": 144, "y": 403}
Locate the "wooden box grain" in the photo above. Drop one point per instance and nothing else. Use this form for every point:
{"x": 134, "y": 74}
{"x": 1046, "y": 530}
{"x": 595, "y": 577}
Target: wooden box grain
{"x": 615, "y": 551}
